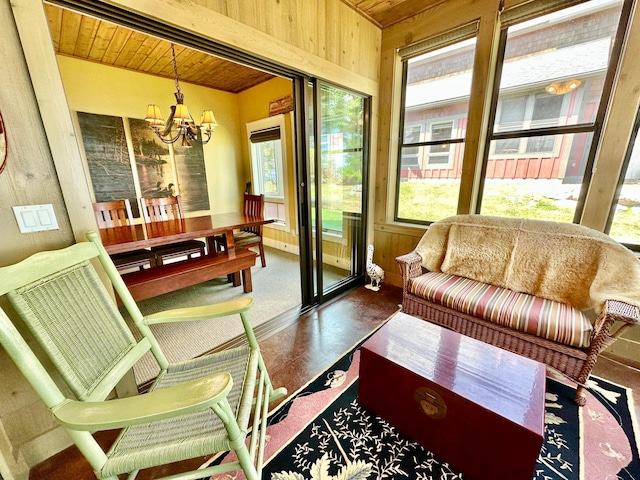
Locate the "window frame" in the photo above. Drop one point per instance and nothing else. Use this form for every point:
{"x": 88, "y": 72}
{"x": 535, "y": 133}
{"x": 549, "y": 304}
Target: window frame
{"x": 633, "y": 138}
{"x": 450, "y": 38}
{"x": 281, "y": 168}
{"x": 257, "y": 174}
{"x": 595, "y": 127}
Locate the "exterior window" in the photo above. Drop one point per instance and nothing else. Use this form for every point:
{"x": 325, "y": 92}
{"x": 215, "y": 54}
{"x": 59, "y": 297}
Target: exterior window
{"x": 410, "y": 155}
{"x": 625, "y": 216}
{"x": 266, "y": 147}
{"x": 511, "y": 117}
{"x": 437, "y": 86}
{"x": 527, "y": 111}
{"x": 439, "y": 154}
{"x": 554, "y": 79}
{"x": 554, "y": 73}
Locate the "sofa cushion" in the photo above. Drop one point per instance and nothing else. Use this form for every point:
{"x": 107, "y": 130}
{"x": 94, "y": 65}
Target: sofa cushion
{"x": 565, "y": 262}
{"x": 538, "y": 316}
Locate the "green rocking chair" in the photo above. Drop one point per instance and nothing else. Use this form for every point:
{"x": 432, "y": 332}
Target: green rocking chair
{"x": 194, "y": 408}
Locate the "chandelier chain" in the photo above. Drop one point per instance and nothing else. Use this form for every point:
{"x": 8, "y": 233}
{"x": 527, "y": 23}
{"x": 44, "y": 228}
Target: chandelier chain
{"x": 175, "y": 68}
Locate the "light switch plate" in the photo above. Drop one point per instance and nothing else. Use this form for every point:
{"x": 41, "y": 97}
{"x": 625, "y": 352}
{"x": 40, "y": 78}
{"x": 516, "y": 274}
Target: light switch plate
{"x": 35, "y": 218}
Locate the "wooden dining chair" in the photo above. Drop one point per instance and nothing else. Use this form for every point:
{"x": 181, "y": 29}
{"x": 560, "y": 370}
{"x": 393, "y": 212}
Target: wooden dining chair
{"x": 253, "y": 206}
{"x": 161, "y": 209}
{"x": 117, "y": 213}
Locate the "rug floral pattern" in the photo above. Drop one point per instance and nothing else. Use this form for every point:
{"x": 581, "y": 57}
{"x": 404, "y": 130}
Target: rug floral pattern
{"x": 322, "y": 433}
{"x": 347, "y": 442}
{"x": 351, "y": 432}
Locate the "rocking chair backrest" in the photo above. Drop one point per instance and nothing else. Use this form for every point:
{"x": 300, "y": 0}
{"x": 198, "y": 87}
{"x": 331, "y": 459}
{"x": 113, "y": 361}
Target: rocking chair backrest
{"x": 66, "y": 307}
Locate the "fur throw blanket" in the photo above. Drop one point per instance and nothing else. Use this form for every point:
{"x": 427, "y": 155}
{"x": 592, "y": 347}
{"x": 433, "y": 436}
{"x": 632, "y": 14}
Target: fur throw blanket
{"x": 564, "y": 262}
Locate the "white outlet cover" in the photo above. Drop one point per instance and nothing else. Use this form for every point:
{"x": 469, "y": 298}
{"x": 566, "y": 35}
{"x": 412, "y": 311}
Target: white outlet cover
{"x": 35, "y": 218}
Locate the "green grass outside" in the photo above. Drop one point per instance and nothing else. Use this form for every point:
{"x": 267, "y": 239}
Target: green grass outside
{"x": 534, "y": 199}
{"x": 337, "y": 199}
{"x": 332, "y": 219}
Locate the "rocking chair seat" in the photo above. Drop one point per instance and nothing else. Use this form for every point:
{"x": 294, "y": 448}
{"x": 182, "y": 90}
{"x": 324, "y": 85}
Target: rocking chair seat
{"x": 196, "y": 434}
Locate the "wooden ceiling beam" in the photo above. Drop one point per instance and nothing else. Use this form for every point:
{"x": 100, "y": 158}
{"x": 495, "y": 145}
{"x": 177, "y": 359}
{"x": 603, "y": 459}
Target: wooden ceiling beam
{"x": 76, "y": 35}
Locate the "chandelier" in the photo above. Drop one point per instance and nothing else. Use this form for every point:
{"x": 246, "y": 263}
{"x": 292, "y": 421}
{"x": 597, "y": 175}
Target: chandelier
{"x": 180, "y": 124}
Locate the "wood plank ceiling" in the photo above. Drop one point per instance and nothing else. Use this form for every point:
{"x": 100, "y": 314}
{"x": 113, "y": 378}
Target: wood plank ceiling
{"x": 80, "y": 36}
{"x": 385, "y": 13}
{"x": 87, "y": 38}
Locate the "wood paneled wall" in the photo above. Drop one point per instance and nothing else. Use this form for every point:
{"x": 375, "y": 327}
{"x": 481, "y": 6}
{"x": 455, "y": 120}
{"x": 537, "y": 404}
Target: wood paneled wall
{"x": 327, "y": 29}
{"x": 323, "y": 38}
{"x": 30, "y": 178}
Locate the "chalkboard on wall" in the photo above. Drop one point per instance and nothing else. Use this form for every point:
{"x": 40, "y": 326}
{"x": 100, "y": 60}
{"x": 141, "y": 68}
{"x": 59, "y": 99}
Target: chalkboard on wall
{"x": 105, "y": 146}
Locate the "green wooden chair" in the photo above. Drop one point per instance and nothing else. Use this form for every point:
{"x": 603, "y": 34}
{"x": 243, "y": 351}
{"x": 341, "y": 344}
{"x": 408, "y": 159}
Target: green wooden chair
{"x": 194, "y": 408}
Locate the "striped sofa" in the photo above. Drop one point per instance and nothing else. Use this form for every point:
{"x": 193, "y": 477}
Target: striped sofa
{"x": 545, "y": 290}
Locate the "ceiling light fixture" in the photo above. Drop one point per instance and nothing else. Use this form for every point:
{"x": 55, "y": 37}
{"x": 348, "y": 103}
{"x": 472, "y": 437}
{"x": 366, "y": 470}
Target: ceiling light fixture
{"x": 560, "y": 88}
{"x": 180, "y": 124}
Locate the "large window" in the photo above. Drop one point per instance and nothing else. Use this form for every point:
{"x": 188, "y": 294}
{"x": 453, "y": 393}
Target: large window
{"x": 625, "y": 216}
{"x": 554, "y": 72}
{"x": 437, "y": 85}
{"x": 553, "y": 80}
{"x": 268, "y": 147}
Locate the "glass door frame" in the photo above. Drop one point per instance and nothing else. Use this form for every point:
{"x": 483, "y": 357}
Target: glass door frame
{"x": 308, "y": 131}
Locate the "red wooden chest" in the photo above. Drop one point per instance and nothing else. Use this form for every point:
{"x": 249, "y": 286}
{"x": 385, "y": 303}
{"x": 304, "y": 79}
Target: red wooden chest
{"x": 475, "y": 406}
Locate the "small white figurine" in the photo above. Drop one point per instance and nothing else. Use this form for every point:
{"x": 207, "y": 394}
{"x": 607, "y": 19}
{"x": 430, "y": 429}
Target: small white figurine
{"x": 376, "y": 274}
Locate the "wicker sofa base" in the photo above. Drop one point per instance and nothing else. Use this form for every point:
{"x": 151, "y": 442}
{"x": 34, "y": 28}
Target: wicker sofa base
{"x": 569, "y": 361}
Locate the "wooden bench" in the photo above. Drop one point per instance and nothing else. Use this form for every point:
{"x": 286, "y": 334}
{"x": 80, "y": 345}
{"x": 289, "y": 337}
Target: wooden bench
{"x": 162, "y": 279}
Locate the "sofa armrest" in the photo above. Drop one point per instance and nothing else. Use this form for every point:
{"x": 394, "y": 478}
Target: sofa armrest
{"x": 622, "y": 311}
{"x": 410, "y": 267}
{"x": 604, "y": 333}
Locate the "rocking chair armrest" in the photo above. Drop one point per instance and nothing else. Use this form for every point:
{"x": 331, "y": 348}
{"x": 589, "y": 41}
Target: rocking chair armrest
{"x": 191, "y": 396}
{"x": 199, "y": 313}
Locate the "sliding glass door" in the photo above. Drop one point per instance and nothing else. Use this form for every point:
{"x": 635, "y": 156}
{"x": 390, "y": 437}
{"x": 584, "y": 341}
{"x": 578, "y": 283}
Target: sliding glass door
{"x": 337, "y": 150}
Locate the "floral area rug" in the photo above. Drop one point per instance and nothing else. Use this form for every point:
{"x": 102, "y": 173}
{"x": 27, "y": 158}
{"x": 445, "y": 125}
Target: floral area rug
{"x": 322, "y": 433}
